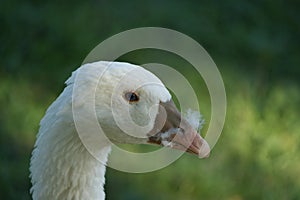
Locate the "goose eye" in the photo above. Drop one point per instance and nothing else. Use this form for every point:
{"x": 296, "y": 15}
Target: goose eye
{"x": 131, "y": 96}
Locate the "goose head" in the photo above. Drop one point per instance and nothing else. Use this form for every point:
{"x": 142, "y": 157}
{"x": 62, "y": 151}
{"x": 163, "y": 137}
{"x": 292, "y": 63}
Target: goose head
{"x": 129, "y": 103}
{"x": 133, "y": 106}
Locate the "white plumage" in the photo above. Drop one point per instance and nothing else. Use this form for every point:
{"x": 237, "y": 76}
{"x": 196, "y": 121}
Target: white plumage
{"x": 62, "y": 168}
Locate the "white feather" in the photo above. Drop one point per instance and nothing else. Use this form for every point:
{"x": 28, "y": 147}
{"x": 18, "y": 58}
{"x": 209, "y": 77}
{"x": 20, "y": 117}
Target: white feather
{"x": 195, "y": 119}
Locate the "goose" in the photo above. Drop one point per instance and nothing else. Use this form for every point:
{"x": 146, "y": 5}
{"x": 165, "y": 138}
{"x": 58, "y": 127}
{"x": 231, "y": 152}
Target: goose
{"x": 61, "y": 167}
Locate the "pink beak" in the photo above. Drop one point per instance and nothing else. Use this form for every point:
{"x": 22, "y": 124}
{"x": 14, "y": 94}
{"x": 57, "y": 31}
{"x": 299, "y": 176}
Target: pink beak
{"x": 172, "y": 130}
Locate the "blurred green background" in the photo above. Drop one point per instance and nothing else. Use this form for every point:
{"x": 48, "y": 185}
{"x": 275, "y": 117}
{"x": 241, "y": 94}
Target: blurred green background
{"x": 255, "y": 44}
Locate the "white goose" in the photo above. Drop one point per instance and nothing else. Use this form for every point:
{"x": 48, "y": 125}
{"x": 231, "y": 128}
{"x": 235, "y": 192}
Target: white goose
{"x": 62, "y": 168}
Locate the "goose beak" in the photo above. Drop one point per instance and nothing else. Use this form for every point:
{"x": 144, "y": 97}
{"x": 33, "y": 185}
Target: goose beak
{"x": 172, "y": 130}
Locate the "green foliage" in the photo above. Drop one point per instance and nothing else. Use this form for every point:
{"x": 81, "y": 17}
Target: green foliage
{"x": 254, "y": 44}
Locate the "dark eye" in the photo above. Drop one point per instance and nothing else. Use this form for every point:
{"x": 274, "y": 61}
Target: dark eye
{"x": 131, "y": 97}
